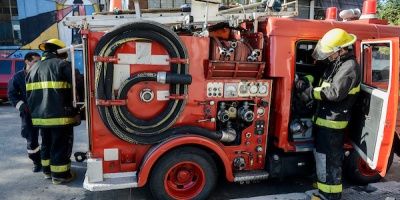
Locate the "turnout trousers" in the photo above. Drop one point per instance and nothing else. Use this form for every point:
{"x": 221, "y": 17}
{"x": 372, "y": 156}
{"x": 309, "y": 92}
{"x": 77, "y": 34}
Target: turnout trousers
{"x": 328, "y": 153}
{"x": 56, "y": 151}
{"x": 31, "y": 134}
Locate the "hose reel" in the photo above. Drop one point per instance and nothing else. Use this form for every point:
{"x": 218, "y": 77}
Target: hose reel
{"x": 118, "y": 119}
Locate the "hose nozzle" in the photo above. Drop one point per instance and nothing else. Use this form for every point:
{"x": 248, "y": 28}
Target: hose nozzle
{"x": 222, "y": 51}
{"x": 233, "y": 44}
{"x": 256, "y": 53}
{"x": 251, "y": 58}
{"x": 228, "y": 135}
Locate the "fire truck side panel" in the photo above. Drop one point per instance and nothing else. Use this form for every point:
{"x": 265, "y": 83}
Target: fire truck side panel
{"x": 251, "y": 142}
{"x": 198, "y": 49}
{"x": 280, "y": 66}
{"x": 101, "y": 139}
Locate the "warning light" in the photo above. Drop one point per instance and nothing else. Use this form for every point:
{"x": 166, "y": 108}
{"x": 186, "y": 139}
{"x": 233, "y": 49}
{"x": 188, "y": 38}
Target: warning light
{"x": 331, "y": 14}
{"x": 369, "y": 10}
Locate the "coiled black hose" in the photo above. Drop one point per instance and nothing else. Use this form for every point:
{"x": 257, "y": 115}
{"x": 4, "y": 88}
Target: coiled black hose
{"x": 118, "y": 118}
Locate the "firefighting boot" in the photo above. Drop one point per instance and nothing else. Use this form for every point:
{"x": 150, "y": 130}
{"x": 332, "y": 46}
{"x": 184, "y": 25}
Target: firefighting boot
{"x": 36, "y": 167}
{"x": 47, "y": 175}
{"x": 318, "y": 197}
{"x": 57, "y": 181}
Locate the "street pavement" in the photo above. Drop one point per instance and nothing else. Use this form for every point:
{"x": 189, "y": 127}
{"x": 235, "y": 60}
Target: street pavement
{"x": 376, "y": 191}
{"x": 18, "y": 182}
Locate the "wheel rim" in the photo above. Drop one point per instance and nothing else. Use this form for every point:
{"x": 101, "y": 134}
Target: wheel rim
{"x": 365, "y": 169}
{"x": 184, "y": 180}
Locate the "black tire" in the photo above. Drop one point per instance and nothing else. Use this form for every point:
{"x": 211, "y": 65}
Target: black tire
{"x": 193, "y": 170}
{"x": 359, "y": 172}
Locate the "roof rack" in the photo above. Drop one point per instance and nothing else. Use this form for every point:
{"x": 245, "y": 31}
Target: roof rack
{"x": 202, "y": 14}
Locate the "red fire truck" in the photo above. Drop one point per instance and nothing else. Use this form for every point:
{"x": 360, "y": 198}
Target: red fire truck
{"x": 174, "y": 98}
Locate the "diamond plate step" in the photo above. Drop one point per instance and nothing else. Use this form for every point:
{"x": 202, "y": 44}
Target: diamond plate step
{"x": 252, "y": 175}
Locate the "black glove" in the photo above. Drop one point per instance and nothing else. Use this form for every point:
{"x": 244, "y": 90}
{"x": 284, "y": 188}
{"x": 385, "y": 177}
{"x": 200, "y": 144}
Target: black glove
{"x": 304, "y": 86}
{"x": 24, "y": 108}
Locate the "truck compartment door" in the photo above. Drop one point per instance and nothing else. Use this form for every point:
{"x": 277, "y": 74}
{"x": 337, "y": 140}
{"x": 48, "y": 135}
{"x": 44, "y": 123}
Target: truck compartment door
{"x": 374, "y": 117}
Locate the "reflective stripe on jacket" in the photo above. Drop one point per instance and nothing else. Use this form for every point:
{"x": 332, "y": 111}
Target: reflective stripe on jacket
{"x": 337, "y": 93}
{"x": 49, "y": 92}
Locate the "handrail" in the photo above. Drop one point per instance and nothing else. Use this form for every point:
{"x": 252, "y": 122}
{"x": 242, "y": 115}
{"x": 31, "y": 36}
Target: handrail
{"x": 71, "y": 49}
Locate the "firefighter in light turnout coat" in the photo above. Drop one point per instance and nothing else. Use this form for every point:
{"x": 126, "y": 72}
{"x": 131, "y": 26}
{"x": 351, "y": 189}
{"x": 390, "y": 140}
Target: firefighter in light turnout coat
{"x": 49, "y": 93}
{"x": 335, "y": 95}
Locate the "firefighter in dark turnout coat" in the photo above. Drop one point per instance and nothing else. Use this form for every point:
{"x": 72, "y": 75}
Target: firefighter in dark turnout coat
{"x": 49, "y": 93}
{"x": 335, "y": 95}
{"x": 17, "y": 97}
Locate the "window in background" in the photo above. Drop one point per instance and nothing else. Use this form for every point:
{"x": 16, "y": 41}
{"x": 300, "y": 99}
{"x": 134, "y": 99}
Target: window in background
{"x": 10, "y": 32}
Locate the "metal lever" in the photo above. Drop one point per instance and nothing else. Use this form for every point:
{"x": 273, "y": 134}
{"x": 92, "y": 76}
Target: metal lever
{"x": 244, "y": 152}
{"x": 205, "y": 120}
{"x": 206, "y": 102}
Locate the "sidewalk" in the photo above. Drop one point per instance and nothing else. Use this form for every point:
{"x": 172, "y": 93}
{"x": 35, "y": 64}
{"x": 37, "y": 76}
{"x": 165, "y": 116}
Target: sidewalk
{"x": 375, "y": 191}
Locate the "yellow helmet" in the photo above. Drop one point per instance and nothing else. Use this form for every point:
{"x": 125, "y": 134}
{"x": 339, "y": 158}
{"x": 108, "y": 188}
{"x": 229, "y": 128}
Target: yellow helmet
{"x": 332, "y": 42}
{"x": 55, "y": 42}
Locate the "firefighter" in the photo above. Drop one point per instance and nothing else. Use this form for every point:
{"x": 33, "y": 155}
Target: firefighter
{"x": 49, "y": 95}
{"x": 17, "y": 97}
{"x": 335, "y": 95}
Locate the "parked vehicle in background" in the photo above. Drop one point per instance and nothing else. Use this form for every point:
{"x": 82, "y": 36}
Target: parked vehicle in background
{"x": 8, "y": 67}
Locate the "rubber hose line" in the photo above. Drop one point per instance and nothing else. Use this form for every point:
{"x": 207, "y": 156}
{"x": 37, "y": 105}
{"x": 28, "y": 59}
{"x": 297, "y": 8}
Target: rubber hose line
{"x": 133, "y": 122}
{"x": 106, "y": 47}
{"x": 144, "y": 25}
{"x": 126, "y": 37}
{"x": 171, "y": 110}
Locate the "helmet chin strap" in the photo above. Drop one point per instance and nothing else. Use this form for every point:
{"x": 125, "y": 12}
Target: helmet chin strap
{"x": 336, "y": 67}
{"x": 337, "y": 59}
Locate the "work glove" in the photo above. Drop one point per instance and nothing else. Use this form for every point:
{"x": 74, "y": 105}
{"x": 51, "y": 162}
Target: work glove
{"x": 302, "y": 84}
{"x": 24, "y": 108}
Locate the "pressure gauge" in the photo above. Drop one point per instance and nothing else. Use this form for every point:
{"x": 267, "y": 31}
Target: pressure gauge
{"x": 253, "y": 89}
{"x": 230, "y": 88}
{"x": 243, "y": 89}
{"x": 262, "y": 89}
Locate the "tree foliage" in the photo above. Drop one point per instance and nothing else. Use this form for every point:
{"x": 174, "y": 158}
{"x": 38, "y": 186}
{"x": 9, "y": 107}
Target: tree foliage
{"x": 390, "y": 10}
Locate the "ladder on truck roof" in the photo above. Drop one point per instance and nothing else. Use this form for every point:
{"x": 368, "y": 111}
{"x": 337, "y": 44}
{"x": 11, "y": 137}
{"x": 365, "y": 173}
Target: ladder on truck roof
{"x": 202, "y": 14}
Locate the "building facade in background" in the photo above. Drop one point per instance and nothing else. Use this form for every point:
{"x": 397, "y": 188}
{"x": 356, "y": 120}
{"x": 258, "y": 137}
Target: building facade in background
{"x": 24, "y": 24}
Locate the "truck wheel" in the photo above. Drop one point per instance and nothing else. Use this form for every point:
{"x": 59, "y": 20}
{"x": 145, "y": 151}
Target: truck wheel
{"x": 359, "y": 171}
{"x": 184, "y": 173}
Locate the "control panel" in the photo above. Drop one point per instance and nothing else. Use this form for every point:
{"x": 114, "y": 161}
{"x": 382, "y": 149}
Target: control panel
{"x": 253, "y": 89}
{"x": 238, "y": 89}
{"x": 214, "y": 89}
